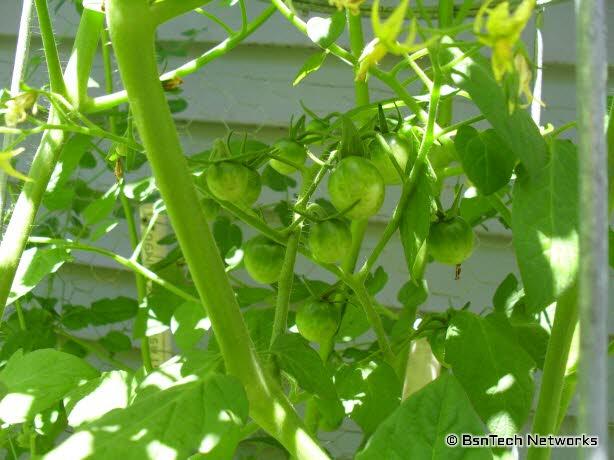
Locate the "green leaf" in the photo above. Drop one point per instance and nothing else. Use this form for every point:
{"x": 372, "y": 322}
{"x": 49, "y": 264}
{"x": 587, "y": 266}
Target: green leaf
{"x": 260, "y": 326}
{"x": 487, "y": 162}
{"x": 302, "y": 362}
{"x": 40, "y": 333}
{"x": 35, "y": 381}
{"x": 204, "y": 415}
{"x": 545, "y": 227}
{"x": 275, "y": 181}
{"x": 88, "y": 402}
{"x": 414, "y": 226}
{"x": 371, "y": 391}
{"x": 116, "y": 342}
{"x": 109, "y": 311}
{"x": 418, "y": 427}
{"x": 247, "y": 295}
{"x": 324, "y": 31}
{"x": 353, "y": 324}
{"x": 376, "y": 281}
{"x": 68, "y": 161}
{"x": 189, "y": 324}
{"x": 228, "y": 236}
{"x": 517, "y": 130}
{"x": 101, "y": 208}
{"x": 312, "y": 64}
{"x": 508, "y": 293}
{"x": 495, "y": 371}
{"x": 35, "y": 264}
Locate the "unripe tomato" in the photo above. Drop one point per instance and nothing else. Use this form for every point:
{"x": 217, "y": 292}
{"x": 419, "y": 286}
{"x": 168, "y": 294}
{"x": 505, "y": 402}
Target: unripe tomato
{"x": 228, "y": 180}
{"x": 402, "y": 151}
{"x": 263, "y": 259}
{"x": 254, "y": 187}
{"x": 451, "y": 241}
{"x": 330, "y": 240}
{"x": 317, "y": 321}
{"x": 291, "y": 151}
{"x": 441, "y": 156}
{"x": 356, "y": 180}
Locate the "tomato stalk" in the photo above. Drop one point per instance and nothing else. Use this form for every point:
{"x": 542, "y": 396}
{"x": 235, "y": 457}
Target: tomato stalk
{"x": 141, "y": 289}
{"x": 132, "y": 33}
{"x": 21, "y": 57}
{"x": 549, "y": 403}
{"x": 45, "y": 159}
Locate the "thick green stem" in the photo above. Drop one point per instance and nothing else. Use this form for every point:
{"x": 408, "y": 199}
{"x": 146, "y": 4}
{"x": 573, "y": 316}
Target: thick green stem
{"x": 165, "y": 10}
{"x": 446, "y": 19}
{"x": 132, "y": 33}
{"x": 19, "y": 66}
{"x": 357, "y": 43}
{"x": 54, "y": 68}
{"x": 549, "y": 403}
{"x": 79, "y": 66}
{"x": 43, "y": 164}
{"x": 284, "y": 286}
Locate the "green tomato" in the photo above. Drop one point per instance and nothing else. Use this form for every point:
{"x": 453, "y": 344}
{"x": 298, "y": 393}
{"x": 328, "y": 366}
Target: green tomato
{"x": 210, "y": 208}
{"x": 451, "y": 241}
{"x": 402, "y": 151}
{"x": 263, "y": 259}
{"x": 330, "y": 240}
{"x": 441, "y": 156}
{"x": 228, "y": 181}
{"x": 254, "y": 187}
{"x": 291, "y": 151}
{"x": 317, "y": 321}
{"x": 356, "y": 180}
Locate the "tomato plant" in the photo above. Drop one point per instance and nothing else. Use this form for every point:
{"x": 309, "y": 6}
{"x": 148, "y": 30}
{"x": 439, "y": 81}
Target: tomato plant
{"x": 259, "y": 264}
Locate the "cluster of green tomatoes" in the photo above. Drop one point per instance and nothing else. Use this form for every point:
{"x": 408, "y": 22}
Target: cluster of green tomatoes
{"x": 356, "y": 189}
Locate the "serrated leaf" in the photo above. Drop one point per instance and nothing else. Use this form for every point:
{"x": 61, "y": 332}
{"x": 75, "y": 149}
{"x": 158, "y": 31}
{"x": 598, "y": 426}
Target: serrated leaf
{"x": 302, "y": 362}
{"x": 102, "y": 207}
{"x": 370, "y": 391}
{"x": 35, "y": 264}
{"x": 154, "y": 427}
{"x": 507, "y": 294}
{"x": 376, "y": 281}
{"x": 418, "y": 427}
{"x": 312, "y": 64}
{"x": 414, "y": 226}
{"x": 116, "y": 342}
{"x": 88, "y": 402}
{"x": 116, "y": 310}
{"x": 35, "y": 381}
{"x": 545, "y": 227}
{"x": 495, "y": 371}
{"x": 487, "y": 162}
{"x": 189, "y": 324}
{"x": 517, "y": 130}
{"x": 324, "y": 31}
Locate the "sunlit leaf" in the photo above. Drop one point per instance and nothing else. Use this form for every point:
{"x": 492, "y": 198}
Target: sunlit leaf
{"x": 34, "y": 381}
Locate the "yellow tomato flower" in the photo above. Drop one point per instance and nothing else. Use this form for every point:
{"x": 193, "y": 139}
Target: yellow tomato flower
{"x": 17, "y": 108}
{"x": 501, "y": 32}
{"x": 353, "y": 6}
{"x": 7, "y": 167}
{"x": 386, "y": 35}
